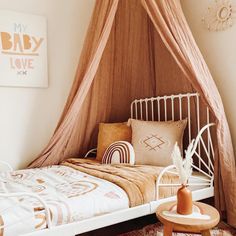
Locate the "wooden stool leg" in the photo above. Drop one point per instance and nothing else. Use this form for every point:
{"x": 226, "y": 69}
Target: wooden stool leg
{"x": 168, "y": 228}
{"x": 206, "y": 233}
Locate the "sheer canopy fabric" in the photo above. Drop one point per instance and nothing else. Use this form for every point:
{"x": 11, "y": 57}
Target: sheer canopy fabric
{"x": 137, "y": 49}
{"x": 65, "y": 139}
{"x": 184, "y": 49}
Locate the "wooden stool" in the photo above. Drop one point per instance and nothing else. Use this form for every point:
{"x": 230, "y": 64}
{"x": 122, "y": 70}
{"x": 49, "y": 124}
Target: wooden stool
{"x": 185, "y": 224}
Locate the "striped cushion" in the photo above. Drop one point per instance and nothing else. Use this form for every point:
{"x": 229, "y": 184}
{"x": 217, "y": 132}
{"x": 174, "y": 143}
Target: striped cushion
{"x": 119, "y": 152}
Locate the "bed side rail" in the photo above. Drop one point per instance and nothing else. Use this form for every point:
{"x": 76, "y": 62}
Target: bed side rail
{"x": 91, "y": 153}
{"x": 207, "y": 171}
{"x": 21, "y": 194}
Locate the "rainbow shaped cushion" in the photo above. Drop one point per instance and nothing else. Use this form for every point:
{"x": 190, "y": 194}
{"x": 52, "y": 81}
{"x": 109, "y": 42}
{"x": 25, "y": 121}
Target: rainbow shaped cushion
{"x": 119, "y": 152}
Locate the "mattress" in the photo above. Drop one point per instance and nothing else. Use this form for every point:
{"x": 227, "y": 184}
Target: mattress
{"x": 72, "y": 195}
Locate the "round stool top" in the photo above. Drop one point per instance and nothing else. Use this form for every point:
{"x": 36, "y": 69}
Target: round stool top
{"x": 189, "y": 224}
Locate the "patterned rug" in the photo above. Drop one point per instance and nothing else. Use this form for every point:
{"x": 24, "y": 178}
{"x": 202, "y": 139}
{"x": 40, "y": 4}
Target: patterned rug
{"x": 157, "y": 230}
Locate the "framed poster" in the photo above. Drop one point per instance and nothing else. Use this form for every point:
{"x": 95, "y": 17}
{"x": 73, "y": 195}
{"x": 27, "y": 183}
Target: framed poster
{"x": 23, "y": 50}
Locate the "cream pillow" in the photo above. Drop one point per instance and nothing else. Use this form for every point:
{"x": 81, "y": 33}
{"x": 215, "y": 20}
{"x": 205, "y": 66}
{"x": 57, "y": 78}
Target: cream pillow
{"x": 153, "y": 141}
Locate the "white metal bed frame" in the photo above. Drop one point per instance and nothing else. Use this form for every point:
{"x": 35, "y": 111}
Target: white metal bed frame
{"x": 160, "y": 108}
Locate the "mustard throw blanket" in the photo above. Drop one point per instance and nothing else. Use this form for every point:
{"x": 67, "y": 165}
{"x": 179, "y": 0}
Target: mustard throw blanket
{"x": 138, "y": 181}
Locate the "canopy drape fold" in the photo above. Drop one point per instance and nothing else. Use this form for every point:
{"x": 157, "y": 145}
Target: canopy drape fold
{"x": 168, "y": 19}
{"x": 119, "y": 62}
{"x": 90, "y": 59}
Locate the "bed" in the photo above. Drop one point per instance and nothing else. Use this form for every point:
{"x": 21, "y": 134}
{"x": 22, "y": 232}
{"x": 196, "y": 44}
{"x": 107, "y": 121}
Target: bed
{"x": 81, "y": 195}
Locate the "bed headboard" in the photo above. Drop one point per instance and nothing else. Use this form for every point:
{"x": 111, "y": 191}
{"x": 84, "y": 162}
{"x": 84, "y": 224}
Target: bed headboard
{"x": 176, "y": 107}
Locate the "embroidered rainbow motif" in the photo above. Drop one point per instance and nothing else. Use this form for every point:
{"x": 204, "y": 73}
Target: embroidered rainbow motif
{"x": 119, "y": 152}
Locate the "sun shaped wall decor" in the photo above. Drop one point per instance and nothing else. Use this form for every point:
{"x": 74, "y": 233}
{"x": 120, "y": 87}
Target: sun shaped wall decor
{"x": 219, "y": 15}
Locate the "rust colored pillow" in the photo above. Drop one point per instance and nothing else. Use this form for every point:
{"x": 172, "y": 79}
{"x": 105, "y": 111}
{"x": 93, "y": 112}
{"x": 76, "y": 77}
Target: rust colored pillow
{"x": 110, "y": 133}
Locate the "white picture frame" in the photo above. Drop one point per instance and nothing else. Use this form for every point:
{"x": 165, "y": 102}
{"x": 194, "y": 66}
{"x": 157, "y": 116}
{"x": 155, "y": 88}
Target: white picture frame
{"x": 23, "y": 50}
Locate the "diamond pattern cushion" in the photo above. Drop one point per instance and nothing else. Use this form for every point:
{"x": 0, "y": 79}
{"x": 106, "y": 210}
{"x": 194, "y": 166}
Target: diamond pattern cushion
{"x": 153, "y": 141}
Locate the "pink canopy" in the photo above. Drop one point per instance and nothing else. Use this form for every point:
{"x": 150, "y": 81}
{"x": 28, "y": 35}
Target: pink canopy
{"x": 137, "y": 49}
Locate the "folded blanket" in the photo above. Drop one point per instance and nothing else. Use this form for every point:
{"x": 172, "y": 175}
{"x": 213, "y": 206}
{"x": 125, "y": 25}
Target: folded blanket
{"x": 138, "y": 181}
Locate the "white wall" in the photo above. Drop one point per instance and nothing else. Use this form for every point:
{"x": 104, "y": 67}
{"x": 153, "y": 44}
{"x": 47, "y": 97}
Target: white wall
{"x": 28, "y": 116}
{"x": 219, "y": 51}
